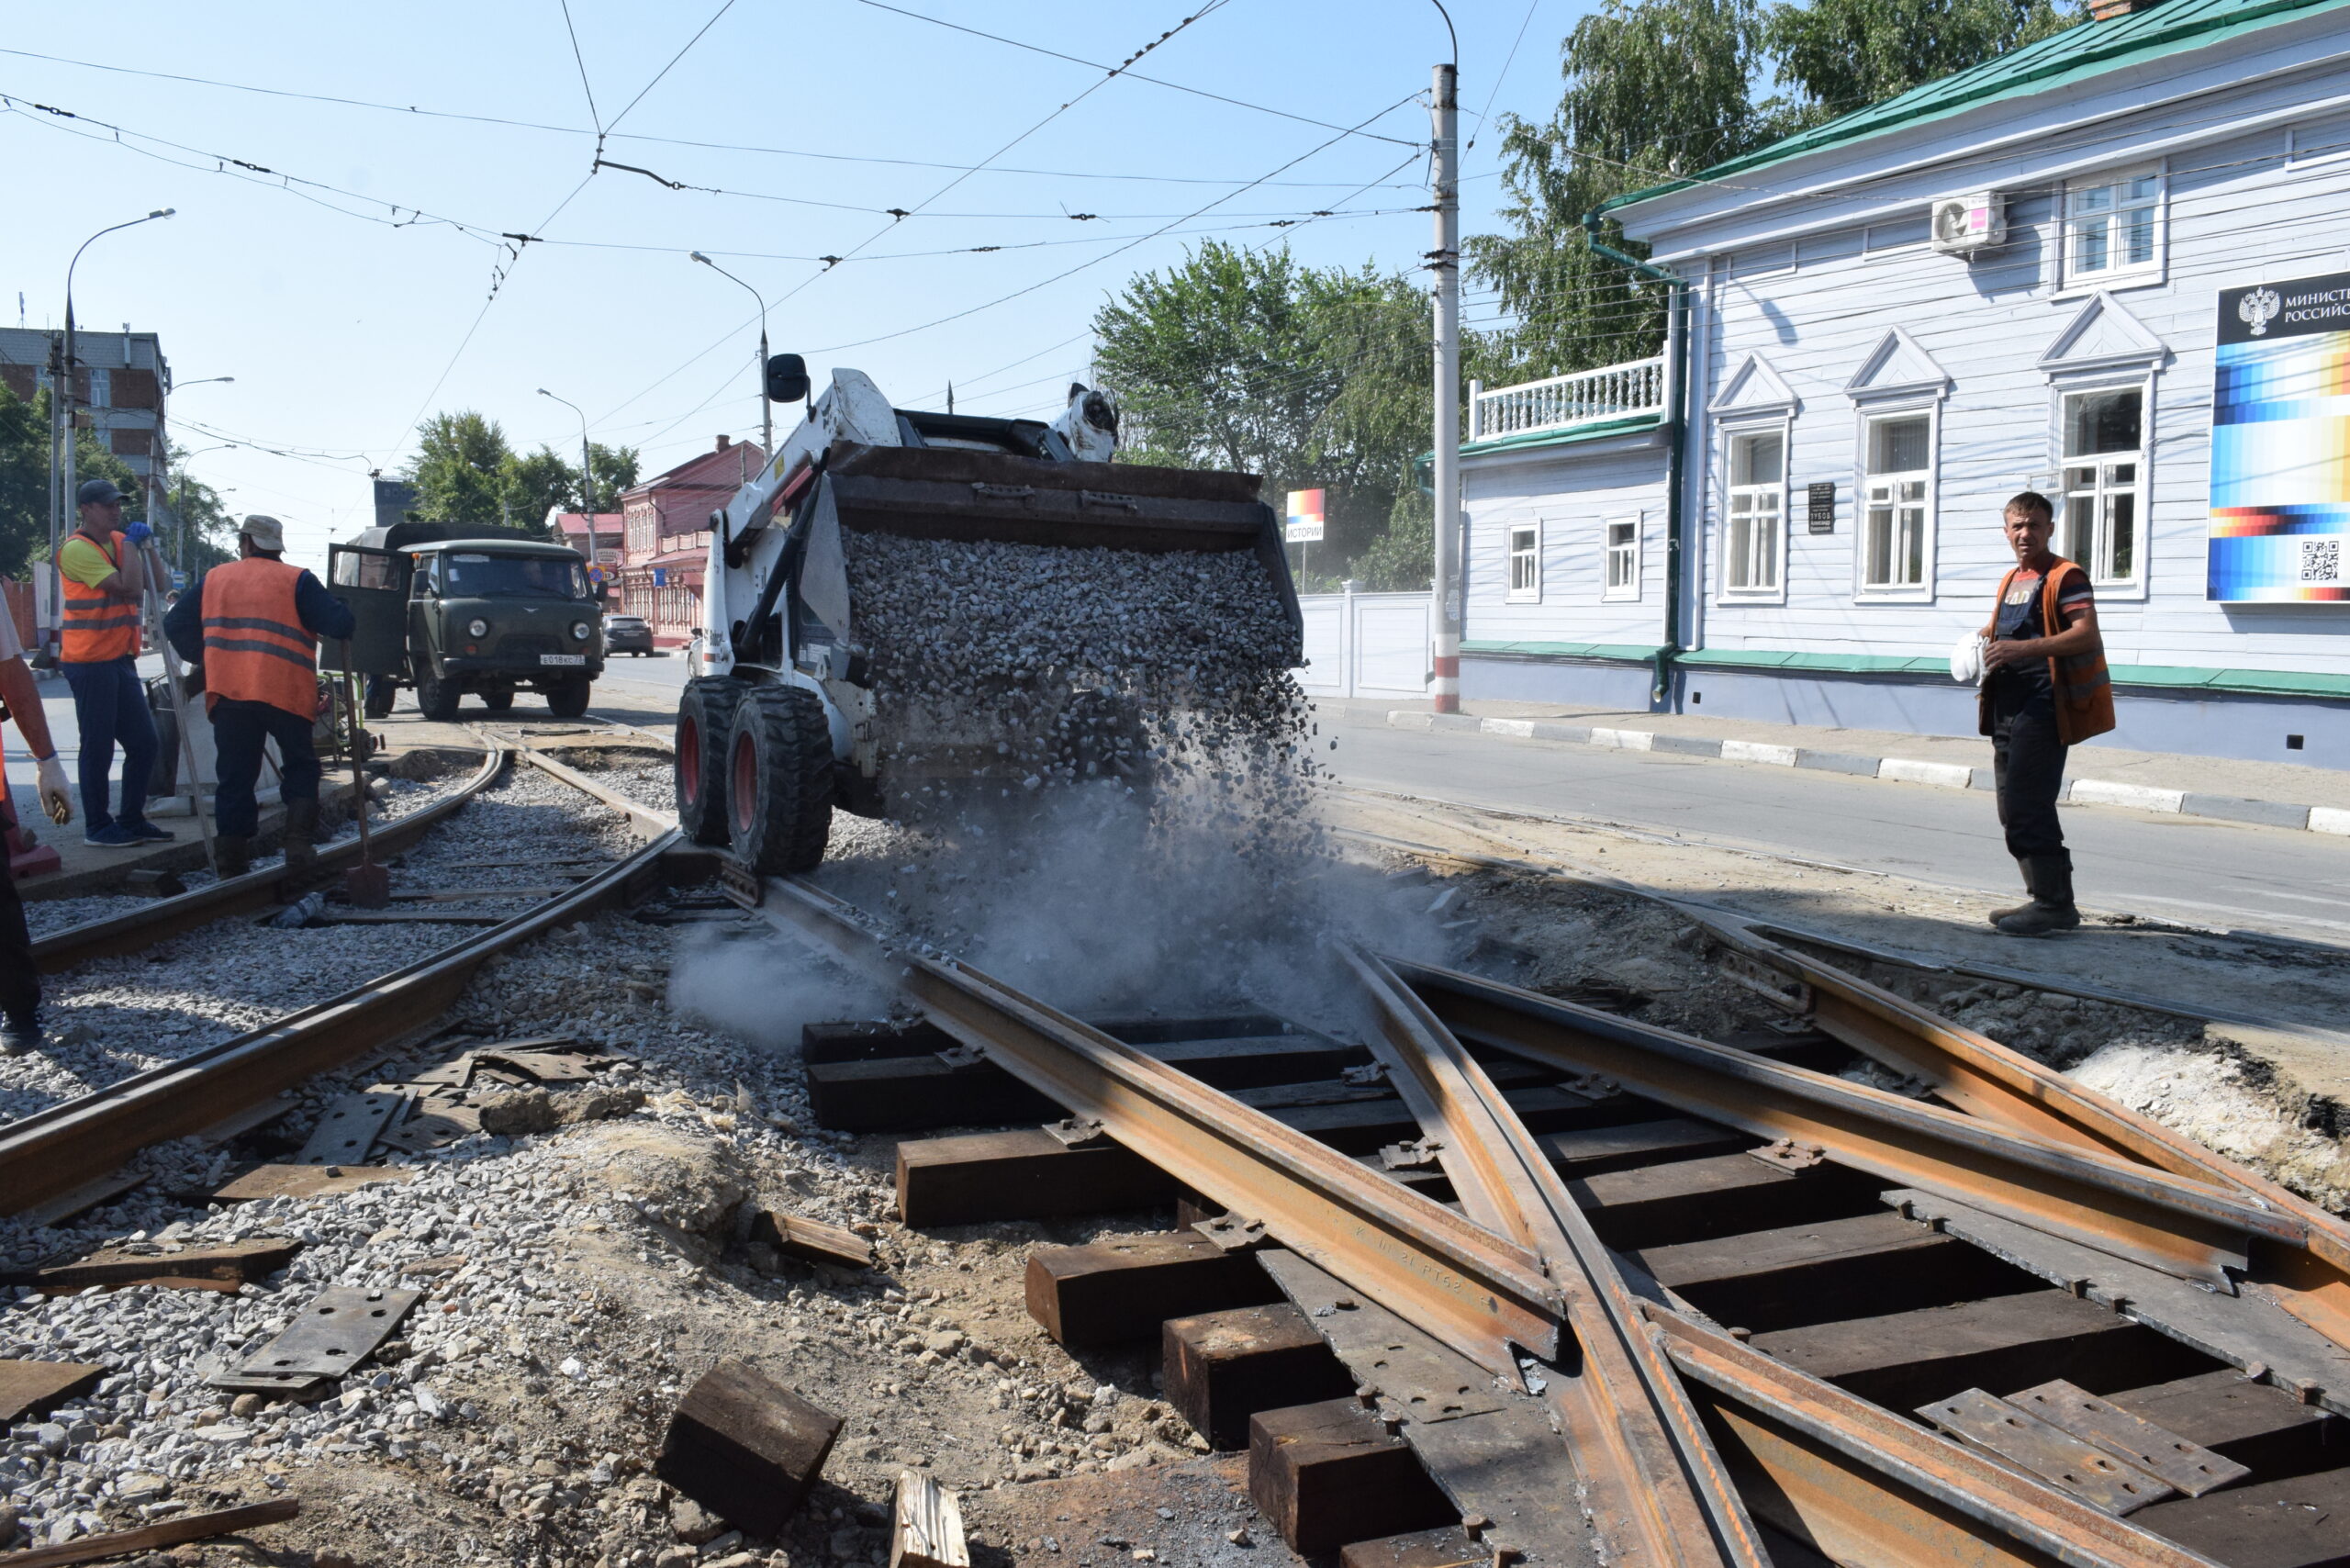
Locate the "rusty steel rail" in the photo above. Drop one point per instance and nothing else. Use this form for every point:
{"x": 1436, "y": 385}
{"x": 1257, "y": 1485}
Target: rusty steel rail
{"x": 645, "y": 822}
{"x": 1480, "y": 1292}
{"x": 1656, "y": 1489}
{"x": 56, "y": 1150}
{"x": 138, "y": 929}
{"x": 2181, "y": 1227}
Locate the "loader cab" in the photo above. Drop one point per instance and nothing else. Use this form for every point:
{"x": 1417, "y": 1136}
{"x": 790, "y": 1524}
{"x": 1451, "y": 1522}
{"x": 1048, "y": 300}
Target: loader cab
{"x": 451, "y": 612}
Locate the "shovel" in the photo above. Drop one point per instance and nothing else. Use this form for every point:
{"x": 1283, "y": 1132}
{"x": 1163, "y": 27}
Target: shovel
{"x": 366, "y": 885}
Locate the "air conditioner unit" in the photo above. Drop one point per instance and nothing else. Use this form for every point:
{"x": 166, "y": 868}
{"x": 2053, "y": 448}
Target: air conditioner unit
{"x": 1966, "y": 224}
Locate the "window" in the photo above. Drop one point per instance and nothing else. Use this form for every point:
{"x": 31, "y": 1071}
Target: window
{"x": 1623, "y": 559}
{"x": 1900, "y": 511}
{"x": 2104, "y": 482}
{"x": 1758, "y": 500}
{"x": 1526, "y": 564}
{"x": 2112, "y": 228}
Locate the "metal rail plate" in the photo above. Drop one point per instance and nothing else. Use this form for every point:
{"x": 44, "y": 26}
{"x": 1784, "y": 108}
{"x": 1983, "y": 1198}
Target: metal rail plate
{"x": 348, "y": 1128}
{"x": 2190, "y": 1467}
{"x": 2049, "y": 1451}
{"x": 337, "y": 1331}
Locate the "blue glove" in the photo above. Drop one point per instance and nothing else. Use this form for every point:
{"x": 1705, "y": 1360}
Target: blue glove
{"x": 139, "y": 533}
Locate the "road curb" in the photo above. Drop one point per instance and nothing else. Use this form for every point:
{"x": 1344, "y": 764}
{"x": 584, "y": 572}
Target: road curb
{"x": 1892, "y": 770}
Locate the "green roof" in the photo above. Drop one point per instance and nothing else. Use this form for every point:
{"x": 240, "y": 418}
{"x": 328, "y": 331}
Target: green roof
{"x": 1566, "y": 435}
{"x": 2073, "y": 55}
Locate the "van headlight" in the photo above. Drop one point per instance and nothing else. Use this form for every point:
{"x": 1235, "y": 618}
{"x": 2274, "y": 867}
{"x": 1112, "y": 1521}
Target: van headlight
{"x": 579, "y": 630}
{"x": 477, "y": 627}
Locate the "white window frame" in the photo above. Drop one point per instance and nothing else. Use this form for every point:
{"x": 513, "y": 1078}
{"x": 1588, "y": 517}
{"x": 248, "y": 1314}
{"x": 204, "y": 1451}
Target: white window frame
{"x": 2102, "y": 488}
{"x": 1531, "y": 593}
{"x": 1776, "y": 592}
{"x": 2072, "y": 278}
{"x": 1628, "y": 590}
{"x": 1865, "y": 500}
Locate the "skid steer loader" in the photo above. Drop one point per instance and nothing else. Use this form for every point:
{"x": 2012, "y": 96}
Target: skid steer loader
{"x": 779, "y": 723}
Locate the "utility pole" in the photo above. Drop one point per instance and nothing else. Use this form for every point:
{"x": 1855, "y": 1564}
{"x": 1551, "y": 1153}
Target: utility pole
{"x": 1444, "y": 261}
{"x": 586, "y": 485}
{"x": 767, "y": 409}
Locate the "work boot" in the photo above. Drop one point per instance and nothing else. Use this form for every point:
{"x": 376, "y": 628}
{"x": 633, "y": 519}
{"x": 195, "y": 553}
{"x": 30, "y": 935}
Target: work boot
{"x": 301, "y": 837}
{"x": 21, "y": 1036}
{"x": 1997, "y": 915}
{"x": 2051, "y": 899}
{"x": 235, "y": 853}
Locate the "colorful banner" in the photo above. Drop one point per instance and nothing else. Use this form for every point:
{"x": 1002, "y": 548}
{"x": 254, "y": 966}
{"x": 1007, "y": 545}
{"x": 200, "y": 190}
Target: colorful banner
{"x": 1304, "y": 524}
{"x": 2280, "y": 444}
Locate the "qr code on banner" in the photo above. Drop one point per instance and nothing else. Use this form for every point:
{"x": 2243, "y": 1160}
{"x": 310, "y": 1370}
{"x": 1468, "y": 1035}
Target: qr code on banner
{"x": 2321, "y": 560}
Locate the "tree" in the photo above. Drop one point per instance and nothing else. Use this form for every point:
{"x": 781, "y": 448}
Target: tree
{"x": 1841, "y": 55}
{"x": 615, "y": 468}
{"x": 1314, "y": 378}
{"x": 24, "y": 479}
{"x": 531, "y": 486}
{"x": 465, "y": 471}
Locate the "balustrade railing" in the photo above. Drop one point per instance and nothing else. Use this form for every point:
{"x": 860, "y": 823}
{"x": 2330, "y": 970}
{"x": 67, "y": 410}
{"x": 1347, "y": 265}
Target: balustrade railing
{"x": 1563, "y": 402}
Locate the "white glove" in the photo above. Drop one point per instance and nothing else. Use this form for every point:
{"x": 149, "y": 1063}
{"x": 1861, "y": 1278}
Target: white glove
{"x": 56, "y": 799}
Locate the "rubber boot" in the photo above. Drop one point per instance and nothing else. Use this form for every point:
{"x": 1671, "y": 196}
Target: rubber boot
{"x": 2051, "y": 899}
{"x": 2000, "y": 915}
{"x": 301, "y": 843}
{"x": 235, "y": 852}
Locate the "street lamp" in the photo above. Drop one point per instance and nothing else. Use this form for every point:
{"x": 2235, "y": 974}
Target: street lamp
{"x": 586, "y": 478}
{"x": 767, "y": 413}
{"x": 61, "y": 397}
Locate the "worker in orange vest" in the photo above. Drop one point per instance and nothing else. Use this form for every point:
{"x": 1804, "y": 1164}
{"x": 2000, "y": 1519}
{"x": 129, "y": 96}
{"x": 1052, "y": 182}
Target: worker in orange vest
{"x": 104, "y": 579}
{"x": 254, "y": 625}
{"x": 20, "y": 1029}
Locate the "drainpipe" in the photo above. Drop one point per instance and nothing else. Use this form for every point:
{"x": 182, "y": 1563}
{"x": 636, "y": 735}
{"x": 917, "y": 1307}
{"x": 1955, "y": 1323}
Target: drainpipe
{"x": 1676, "y": 395}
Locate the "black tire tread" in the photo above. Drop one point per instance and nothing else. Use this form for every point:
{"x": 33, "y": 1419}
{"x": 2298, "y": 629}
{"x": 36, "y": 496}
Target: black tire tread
{"x": 792, "y": 818}
{"x": 567, "y": 698}
{"x": 437, "y": 699}
{"x": 715, "y": 701}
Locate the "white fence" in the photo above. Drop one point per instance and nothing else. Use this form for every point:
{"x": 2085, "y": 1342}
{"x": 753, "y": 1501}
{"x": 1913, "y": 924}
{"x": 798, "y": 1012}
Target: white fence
{"x": 1562, "y": 402}
{"x": 1367, "y": 645}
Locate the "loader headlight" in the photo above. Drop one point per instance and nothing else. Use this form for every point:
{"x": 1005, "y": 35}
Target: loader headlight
{"x": 579, "y": 631}
{"x": 477, "y": 627}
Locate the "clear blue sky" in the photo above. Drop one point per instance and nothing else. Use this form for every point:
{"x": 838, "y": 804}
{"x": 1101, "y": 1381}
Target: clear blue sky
{"x": 344, "y": 323}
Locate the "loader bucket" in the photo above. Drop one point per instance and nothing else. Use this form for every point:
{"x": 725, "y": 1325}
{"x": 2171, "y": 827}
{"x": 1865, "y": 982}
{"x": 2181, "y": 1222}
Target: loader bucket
{"x": 962, "y": 494}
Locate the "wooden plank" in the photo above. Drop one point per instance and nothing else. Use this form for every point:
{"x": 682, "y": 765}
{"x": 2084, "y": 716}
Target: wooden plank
{"x": 406, "y": 917}
{"x": 914, "y": 1093}
{"x": 1329, "y": 1474}
{"x": 35, "y": 1388}
{"x": 1023, "y": 1174}
{"x": 746, "y": 1447}
{"x": 811, "y": 1241}
{"x": 2248, "y": 1422}
{"x": 155, "y": 1537}
{"x": 81, "y": 1200}
{"x": 299, "y": 1182}
{"x": 1221, "y": 1368}
{"x": 1865, "y": 1266}
{"x": 1591, "y": 1150}
{"x": 1690, "y": 1200}
{"x": 929, "y": 1529}
{"x": 1359, "y": 1128}
{"x": 227, "y": 1267}
{"x": 1904, "y": 1358}
{"x": 2188, "y": 1468}
{"x": 1114, "y": 1291}
{"x": 2300, "y": 1521}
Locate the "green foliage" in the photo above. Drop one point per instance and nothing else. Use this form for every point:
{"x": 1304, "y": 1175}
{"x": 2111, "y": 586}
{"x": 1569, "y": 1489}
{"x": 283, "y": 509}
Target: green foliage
{"x": 24, "y": 479}
{"x": 1658, "y": 89}
{"x": 198, "y": 534}
{"x": 465, "y": 471}
{"x": 1402, "y": 558}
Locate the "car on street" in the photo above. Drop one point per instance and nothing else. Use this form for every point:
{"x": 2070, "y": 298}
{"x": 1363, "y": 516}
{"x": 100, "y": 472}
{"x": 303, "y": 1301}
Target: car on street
{"x": 627, "y": 635}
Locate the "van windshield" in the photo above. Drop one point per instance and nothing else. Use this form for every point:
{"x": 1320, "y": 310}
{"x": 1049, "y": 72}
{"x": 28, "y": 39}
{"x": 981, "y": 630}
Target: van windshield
{"x": 470, "y": 574}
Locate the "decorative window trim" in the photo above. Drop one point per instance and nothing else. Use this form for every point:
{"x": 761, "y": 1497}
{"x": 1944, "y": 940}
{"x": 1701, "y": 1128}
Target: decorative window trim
{"x": 1532, "y": 592}
{"x": 1864, "y": 416}
{"x": 1628, "y": 592}
{"x": 2070, "y": 284}
{"x": 1733, "y": 432}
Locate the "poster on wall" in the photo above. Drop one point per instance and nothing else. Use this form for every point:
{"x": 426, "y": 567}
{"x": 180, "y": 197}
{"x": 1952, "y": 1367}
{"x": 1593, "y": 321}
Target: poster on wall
{"x": 2280, "y": 444}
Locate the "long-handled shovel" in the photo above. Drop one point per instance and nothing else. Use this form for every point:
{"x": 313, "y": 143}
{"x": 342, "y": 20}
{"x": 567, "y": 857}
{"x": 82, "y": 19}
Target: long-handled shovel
{"x": 366, "y": 885}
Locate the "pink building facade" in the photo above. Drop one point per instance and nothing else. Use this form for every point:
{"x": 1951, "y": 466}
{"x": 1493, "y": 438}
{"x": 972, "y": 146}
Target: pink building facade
{"x": 665, "y": 538}
{"x": 597, "y": 539}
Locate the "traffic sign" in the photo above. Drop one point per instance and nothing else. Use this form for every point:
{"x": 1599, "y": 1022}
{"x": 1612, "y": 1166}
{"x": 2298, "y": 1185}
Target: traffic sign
{"x": 1304, "y": 526}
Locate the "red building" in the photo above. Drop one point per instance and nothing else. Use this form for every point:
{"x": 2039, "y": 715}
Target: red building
{"x": 665, "y": 527}
{"x": 597, "y": 539}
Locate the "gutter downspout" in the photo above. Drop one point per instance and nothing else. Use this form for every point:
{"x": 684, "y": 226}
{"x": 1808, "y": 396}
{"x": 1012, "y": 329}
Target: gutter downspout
{"x": 1676, "y": 394}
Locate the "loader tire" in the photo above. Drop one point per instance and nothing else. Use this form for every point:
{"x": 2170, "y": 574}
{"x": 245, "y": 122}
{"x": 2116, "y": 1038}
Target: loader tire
{"x": 780, "y": 780}
{"x": 705, "y": 725}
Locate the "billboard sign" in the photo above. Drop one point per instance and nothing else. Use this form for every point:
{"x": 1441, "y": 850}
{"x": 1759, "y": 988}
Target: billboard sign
{"x": 1304, "y": 524}
{"x": 2280, "y": 444}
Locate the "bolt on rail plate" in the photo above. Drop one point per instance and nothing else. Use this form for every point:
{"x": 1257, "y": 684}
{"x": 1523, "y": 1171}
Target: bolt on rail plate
{"x": 338, "y": 1330}
{"x": 2013, "y": 1433}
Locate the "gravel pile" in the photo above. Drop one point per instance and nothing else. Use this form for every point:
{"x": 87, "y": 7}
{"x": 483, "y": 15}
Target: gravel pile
{"x": 114, "y": 1017}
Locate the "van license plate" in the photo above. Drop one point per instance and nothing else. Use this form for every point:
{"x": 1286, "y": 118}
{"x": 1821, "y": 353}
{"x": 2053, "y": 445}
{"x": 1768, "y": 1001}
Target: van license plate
{"x": 562, "y": 658}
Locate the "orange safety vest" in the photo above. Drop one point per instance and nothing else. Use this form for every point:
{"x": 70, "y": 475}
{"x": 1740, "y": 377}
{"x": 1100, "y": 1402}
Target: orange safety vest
{"x": 96, "y": 628}
{"x": 2084, "y": 687}
{"x": 256, "y": 648}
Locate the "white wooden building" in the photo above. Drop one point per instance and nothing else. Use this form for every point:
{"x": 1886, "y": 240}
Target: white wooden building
{"x": 1859, "y": 396}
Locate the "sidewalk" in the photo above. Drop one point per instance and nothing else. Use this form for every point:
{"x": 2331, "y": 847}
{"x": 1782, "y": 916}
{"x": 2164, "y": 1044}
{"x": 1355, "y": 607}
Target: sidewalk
{"x": 2273, "y": 794}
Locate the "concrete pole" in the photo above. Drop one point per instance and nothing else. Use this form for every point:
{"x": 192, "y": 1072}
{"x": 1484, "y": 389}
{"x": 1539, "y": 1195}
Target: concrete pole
{"x": 1444, "y": 261}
